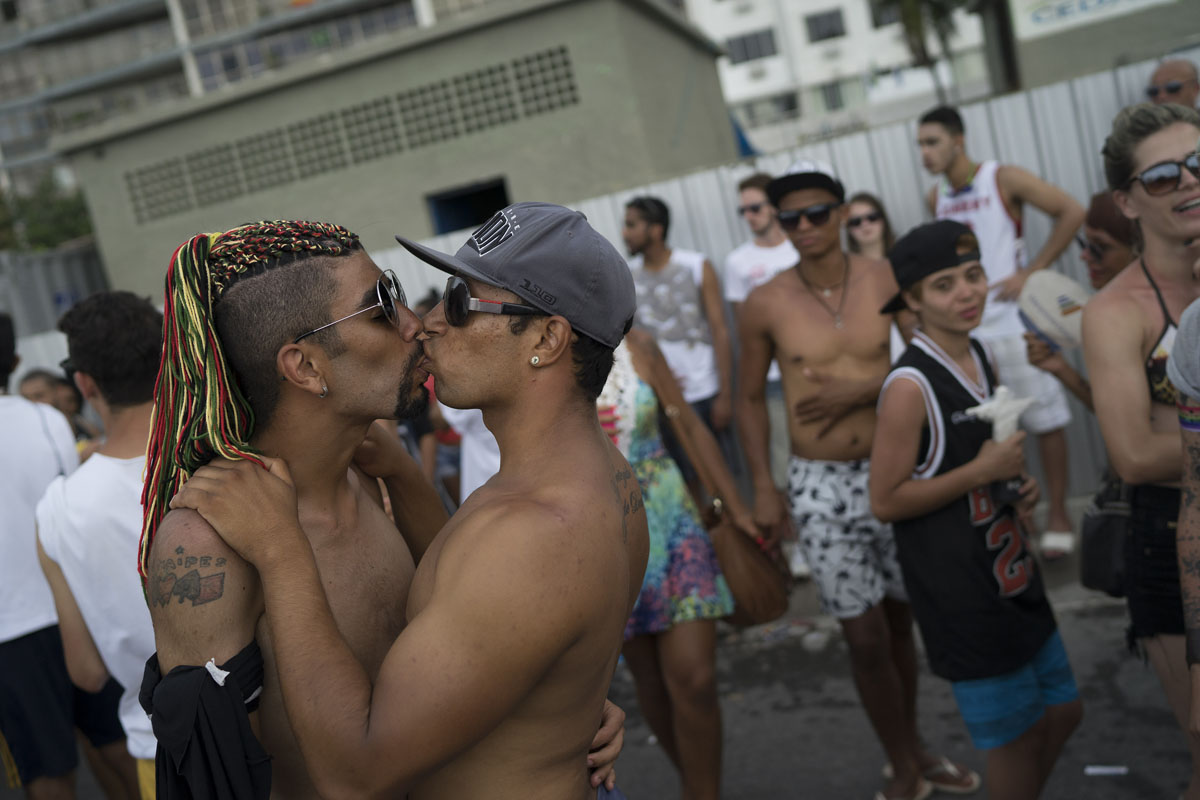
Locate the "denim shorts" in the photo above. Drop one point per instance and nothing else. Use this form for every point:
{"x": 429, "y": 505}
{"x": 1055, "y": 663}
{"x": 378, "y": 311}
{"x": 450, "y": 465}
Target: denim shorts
{"x": 998, "y": 710}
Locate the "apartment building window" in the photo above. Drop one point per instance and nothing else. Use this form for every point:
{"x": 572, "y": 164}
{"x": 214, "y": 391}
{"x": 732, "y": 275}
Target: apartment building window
{"x": 831, "y": 94}
{"x": 771, "y": 109}
{"x": 750, "y": 46}
{"x": 884, "y": 12}
{"x": 826, "y": 25}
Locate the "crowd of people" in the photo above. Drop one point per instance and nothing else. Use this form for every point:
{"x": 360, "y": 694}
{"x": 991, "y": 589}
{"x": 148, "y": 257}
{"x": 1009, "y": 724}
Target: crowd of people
{"x": 567, "y": 414}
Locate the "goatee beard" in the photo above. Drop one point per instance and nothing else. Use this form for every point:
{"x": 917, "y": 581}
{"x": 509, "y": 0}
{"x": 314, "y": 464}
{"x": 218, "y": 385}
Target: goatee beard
{"x": 411, "y": 400}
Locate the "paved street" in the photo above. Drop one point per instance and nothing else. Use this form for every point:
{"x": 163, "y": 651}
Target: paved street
{"x": 794, "y": 729}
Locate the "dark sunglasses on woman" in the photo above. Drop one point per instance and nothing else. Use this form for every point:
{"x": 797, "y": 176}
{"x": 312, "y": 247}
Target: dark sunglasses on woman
{"x": 1165, "y": 177}
{"x": 816, "y": 215}
{"x": 873, "y": 216}
{"x": 457, "y": 303}
{"x": 1088, "y": 246}
{"x": 389, "y": 297}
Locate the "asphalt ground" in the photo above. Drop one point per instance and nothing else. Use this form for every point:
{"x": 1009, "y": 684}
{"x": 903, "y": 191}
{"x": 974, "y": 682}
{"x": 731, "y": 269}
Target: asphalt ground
{"x": 793, "y": 727}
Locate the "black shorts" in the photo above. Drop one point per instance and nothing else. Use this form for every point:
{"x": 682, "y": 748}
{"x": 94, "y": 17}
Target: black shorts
{"x": 1151, "y": 566}
{"x": 40, "y": 708}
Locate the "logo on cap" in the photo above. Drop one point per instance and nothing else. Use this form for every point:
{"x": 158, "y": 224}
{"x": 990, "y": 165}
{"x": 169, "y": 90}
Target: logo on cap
{"x": 495, "y": 232}
{"x": 538, "y": 292}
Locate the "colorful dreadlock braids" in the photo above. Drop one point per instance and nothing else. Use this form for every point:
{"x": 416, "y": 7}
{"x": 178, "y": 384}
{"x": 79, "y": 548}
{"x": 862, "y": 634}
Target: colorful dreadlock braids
{"x": 199, "y": 411}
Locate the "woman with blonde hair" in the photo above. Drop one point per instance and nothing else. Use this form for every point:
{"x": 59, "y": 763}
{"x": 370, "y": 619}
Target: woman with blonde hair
{"x": 1153, "y": 170}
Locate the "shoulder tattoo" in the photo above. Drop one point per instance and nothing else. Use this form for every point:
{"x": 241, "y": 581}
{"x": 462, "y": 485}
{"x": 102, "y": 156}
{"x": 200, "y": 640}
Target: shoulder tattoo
{"x": 179, "y": 577}
{"x": 629, "y": 496}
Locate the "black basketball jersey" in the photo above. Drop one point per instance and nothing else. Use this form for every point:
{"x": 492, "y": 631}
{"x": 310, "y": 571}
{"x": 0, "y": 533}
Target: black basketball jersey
{"x": 975, "y": 588}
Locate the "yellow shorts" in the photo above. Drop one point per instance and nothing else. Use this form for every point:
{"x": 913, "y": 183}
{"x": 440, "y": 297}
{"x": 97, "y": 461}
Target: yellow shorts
{"x": 145, "y": 767}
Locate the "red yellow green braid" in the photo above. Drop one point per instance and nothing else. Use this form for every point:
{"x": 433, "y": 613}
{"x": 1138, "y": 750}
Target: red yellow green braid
{"x": 199, "y": 411}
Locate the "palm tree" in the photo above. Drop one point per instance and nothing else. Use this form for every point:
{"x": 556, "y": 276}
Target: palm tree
{"x": 917, "y": 17}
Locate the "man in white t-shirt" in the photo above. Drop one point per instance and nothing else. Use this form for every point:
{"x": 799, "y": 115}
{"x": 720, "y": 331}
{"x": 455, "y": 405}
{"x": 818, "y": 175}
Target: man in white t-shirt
{"x": 753, "y": 263}
{"x": 89, "y": 522}
{"x": 990, "y": 198}
{"x": 39, "y": 709}
{"x": 679, "y": 303}
{"x": 479, "y": 453}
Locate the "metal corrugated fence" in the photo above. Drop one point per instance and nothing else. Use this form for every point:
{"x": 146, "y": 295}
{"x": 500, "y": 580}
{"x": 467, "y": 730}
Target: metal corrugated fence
{"x": 1055, "y": 131}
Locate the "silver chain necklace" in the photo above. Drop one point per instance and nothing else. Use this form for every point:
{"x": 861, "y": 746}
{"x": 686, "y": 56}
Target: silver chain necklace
{"x": 828, "y": 291}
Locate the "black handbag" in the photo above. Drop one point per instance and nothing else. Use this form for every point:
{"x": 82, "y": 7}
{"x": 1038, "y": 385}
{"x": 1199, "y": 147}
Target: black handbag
{"x": 1102, "y": 538}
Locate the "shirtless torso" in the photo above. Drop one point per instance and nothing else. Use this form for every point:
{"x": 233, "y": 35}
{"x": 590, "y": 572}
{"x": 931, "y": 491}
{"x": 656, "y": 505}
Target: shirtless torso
{"x": 534, "y": 750}
{"x": 816, "y": 357}
{"x": 365, "y": 567}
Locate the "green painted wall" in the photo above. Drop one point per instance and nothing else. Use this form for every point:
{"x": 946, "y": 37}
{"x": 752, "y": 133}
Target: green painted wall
{"x": 650, "y": 107}
{"x": 1144, "y": 34}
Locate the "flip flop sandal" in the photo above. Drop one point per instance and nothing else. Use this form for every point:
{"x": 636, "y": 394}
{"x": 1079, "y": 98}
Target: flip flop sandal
{"x": 924, "y": 789}
{"x": 945, "y": 776}
{"x": 951, "y": 783}
{"x": 1056, "y": 544}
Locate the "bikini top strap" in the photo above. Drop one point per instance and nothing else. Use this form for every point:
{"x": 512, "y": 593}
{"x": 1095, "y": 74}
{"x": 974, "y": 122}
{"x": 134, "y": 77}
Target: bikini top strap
{"x": 1161, "y": 303}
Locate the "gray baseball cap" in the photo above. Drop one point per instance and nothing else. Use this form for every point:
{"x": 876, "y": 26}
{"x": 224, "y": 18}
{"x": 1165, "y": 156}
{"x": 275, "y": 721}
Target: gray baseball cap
{"x": 553, "y": 259}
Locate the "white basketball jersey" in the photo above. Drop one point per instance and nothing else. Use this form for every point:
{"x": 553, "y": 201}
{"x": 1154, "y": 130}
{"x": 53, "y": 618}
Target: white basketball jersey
{"x": 980, "y": 206}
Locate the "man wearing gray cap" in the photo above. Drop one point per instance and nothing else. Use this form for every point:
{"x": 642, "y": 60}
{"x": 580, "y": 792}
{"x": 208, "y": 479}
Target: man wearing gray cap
{"x": 820, "y": 320}
{"x": 518, "y": 606}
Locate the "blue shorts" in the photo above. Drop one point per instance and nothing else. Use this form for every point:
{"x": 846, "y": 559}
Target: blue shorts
{"x": 998, "y": 710}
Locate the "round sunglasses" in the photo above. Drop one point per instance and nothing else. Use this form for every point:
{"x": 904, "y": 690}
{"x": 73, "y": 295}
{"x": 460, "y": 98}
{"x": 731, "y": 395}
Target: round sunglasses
{"x": 816, "y": 215}
{"x": 389, "y": 296}
{"x": 1165, "y": 177}
{"x": 457, "y": 303}
{"x": 873, "y": 216}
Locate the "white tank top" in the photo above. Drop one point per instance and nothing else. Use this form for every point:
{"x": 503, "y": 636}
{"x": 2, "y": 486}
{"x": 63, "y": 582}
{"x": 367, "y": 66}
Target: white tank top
{"x": 980, "y": 206}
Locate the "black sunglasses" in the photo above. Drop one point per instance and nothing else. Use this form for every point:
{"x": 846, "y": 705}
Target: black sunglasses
{"x": 750, "y": 208}
{"x": 1170, "y": 87}
{"x": 1165, "y": 177}
{"x": 1088, "y": 246}
{"x": 816, "y": 215}
{"x": 457, "y": 303}
{"x": 69, "y": 369}
{"x": 389, "y": 296}
{"x": 873, "y": 216}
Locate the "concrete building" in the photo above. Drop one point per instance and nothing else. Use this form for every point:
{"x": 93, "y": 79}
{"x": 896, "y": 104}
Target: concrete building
{"x": 421, "y": 132}
{"x": 66, "y": 65}
{"x": 1061, "y": 39}
{"x": 799, "y": 68}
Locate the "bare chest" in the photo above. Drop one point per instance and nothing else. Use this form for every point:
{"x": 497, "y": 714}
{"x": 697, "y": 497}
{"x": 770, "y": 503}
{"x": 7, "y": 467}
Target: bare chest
{"x": 811, "y": 331}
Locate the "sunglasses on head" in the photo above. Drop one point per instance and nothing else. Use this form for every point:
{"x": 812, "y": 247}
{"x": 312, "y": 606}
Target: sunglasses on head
{"x": 751, "y": 208}
{"x": 816, "y": 215}
{"x": 389, "y": 296}
{"x": 1165, "y": 177}
{"x": 873, "y": 216}
{"x": 1170, "y": 87}
{"x": 457, "y": 303}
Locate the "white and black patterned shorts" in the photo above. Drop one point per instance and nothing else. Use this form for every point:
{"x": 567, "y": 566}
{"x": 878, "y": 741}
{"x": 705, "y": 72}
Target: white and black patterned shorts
{"x": 852, "y": 554}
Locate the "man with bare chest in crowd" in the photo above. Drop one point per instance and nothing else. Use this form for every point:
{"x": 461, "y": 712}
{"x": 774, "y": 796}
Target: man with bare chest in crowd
{"x": 821, "y": 321}
{"x": 496, "y": 685}
{"x": 319, "y": 343}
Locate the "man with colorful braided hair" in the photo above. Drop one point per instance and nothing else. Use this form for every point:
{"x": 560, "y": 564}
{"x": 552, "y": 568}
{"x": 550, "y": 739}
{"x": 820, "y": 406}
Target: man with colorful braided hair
{"x": 280, "y": 339}
{"x": 515, "y": 621}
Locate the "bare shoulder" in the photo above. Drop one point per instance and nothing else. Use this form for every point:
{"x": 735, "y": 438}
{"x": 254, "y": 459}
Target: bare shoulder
{"x": 1114, "y": 303}
{"x": 204, "y": 599}
{"x": 764, "y": 296}
{"x": 640, "y": 340}
{"x": 875, "y": 271}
